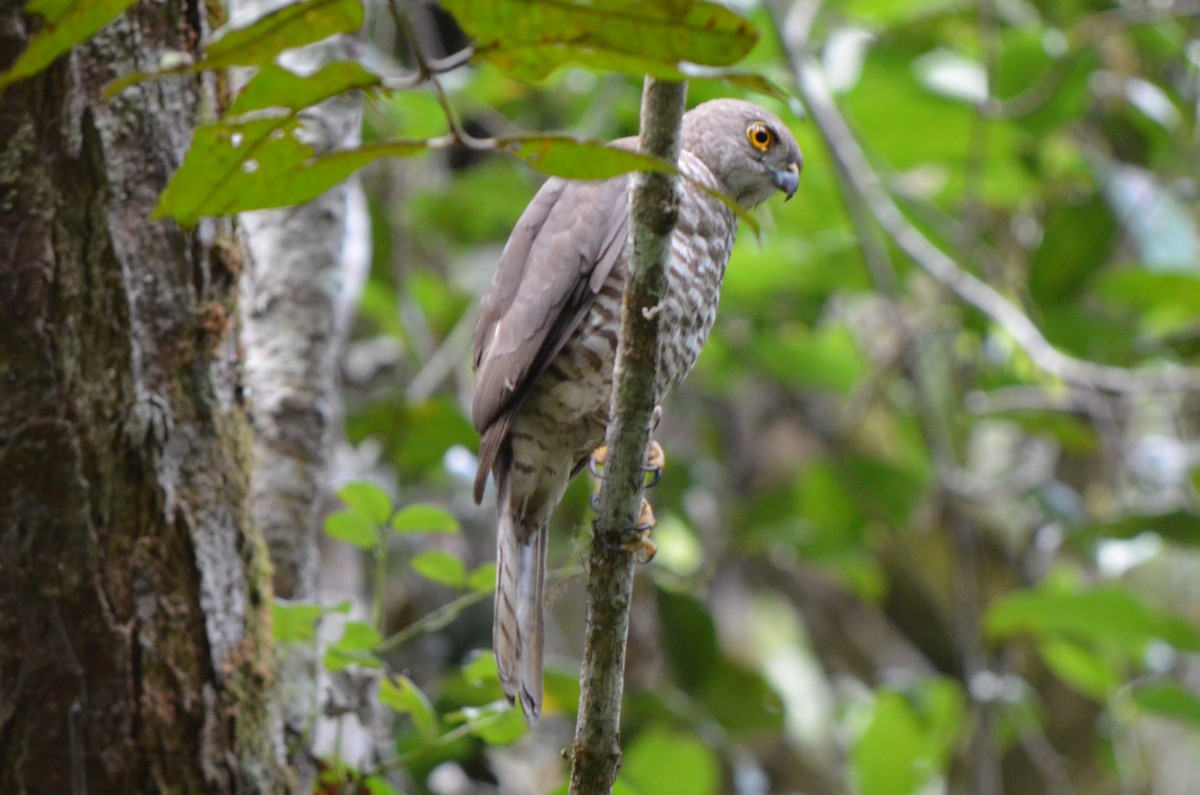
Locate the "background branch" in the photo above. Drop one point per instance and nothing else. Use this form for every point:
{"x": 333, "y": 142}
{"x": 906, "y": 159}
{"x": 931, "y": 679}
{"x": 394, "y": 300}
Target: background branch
{"x": 654, "y": 205}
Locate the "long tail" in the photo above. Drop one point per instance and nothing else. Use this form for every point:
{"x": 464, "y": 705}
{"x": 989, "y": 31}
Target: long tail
{"x": 517, "y": 620}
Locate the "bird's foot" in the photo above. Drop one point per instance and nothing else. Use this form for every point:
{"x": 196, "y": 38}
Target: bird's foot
{"x": 656, "y": 461}
{"x": 637, "y": 536}
{"x": 638, "y": 543}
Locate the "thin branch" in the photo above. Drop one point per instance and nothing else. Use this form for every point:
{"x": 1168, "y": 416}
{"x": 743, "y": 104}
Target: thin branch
{"x": 853, "y": 163}
{"x": 596, "y": 754}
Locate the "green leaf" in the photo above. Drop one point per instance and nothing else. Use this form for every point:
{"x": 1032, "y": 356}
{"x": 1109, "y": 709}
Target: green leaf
{"x": 294, "y": 622}
{"x": 1179, "y": 526}
{"x": 352, "y": 528}
{"x": 1109, "y": 615}
{"x": 530, "y": 38}
{"x": 1169, "y": 699}
{"x": 232, "y": 167}
{"x": 670, "y": 763}
{"x": 499, "y": 725}
{"x": 401, "y": 695}
{"x": 293, "y": 25}
{"x": 276, "y": 87}
{"x": 378, "y": 785}
{"x": 442, "y": 567}
{"x": 1085, "y": 669}
{"x": 65, "y": 24}
{"x": 890, "y": 756}
{"x": 354, "y": 647}
{"x": 483, "y": 579}
{"x": 481, "y": 669}
{"x": 368, "y": 501}
{"x": 571, "y": 158}
{"x": 258, "y": 42}
{"x": 424, "y": 519}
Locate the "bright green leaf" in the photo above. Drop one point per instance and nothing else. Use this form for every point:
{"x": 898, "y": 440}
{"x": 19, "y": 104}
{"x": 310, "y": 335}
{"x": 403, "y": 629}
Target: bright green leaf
{"x": 400, "y": 694}
{"x": 530, "y": 38}
{"x": 424, "y": 519}
{"x": 670, "y": 763}
{"x": 1169, "y": 699}
{"x": 368, "y": 501}
{"x": 262, "y": 163}
{"x": 358, "y": 636}
{"x": 1109, "y": 614}
{"x": 350, "y": 527}
{"x": 258, "y": 42}
{"x": 354, "y": 647}
{"x": 378, "y": 785}
{"x": 291, "y": 26}
{"x": 1085, "y": 669}
{"x": 501, "y": 727}
{"x": 276, "y": 87}
{"x": 571, "y": 158}
{"x": 483, "y": 579}
{"x": 889, "y": 758}
{"x": 481, "y": 669}
{"x": 294, "y": 622}
{"x": 442, "y": 567}
{"x": 65, "y": 24}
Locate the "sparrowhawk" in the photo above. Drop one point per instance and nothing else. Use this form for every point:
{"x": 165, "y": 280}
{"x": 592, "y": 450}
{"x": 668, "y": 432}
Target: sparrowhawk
{"x": 547, "y": 334}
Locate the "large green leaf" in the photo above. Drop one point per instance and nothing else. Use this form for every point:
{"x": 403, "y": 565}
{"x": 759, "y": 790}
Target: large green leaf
{"x": 530, "y": 38}
{"x": 290, "y": 26}
{"x": 276, "y": 87}
{"x": 561, "y": 156}
{"x": 368, "y": 501}
{"x": 262, "y": 163}
{"x": 258, "y": 42}
{"x": 908, "y": 738}
{"x": 65, "y": 23}
{"x": 1107, "y": 615}
{"x": 400, "y": 694}
{"x": 663, "y": 763}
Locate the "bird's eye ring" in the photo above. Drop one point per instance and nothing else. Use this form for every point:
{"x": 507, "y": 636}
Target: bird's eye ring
{"x": 760, "y": 136}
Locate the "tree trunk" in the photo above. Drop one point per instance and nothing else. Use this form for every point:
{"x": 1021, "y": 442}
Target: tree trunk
{"x": 134, "y": 627}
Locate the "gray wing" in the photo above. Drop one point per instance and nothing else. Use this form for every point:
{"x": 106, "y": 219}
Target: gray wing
{"x": 556, "y": 260}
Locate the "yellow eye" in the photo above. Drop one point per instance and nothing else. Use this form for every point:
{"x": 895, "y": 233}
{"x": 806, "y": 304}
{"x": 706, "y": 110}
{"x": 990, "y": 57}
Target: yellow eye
{"x": 760, "y": 136}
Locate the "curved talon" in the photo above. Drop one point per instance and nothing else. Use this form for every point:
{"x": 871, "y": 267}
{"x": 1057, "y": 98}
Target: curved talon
{"x": 637, "y": 541}
{"x": 640, "y": 546}
{"x": 656, "y": 461}
{"x": 597, "y": 461}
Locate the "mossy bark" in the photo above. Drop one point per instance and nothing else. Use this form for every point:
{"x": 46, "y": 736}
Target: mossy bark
{"x": 135, "y": 649}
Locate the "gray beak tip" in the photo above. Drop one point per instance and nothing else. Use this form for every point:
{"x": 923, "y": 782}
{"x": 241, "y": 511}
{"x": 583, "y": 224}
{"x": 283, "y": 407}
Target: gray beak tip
{"x": 787, "y": 180}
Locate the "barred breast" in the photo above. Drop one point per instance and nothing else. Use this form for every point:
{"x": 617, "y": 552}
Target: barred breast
{"x": 565, "y": 416}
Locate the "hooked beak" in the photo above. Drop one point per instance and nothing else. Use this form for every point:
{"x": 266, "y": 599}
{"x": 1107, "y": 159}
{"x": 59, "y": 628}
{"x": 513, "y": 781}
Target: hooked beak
{"x": 787, "y": 180}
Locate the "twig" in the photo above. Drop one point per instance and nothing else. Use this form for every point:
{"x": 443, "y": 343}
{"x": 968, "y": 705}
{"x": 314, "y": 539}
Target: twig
{"x": 852, "y": 161}
{"x": 596, "y": 754}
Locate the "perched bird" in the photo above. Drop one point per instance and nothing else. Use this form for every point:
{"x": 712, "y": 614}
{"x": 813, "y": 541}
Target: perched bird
{"x": 546, "y": 340}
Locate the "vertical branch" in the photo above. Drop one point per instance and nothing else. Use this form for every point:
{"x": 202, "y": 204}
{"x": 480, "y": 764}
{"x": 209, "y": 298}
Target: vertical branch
{"x": 654, "y": 206}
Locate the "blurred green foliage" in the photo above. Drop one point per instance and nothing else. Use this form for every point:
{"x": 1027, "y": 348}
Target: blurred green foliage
{"x": 898, "y": 557}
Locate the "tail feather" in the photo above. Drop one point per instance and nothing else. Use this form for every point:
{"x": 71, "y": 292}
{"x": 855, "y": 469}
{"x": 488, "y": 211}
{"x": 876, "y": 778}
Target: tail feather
{"x": 517, "y": 636}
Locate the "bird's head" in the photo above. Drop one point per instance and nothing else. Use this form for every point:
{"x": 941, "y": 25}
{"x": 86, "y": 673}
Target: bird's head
{"x": 748, "y": 148}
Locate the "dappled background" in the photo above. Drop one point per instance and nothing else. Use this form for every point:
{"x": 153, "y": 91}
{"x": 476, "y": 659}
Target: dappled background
{"x": 916, "y": 534}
